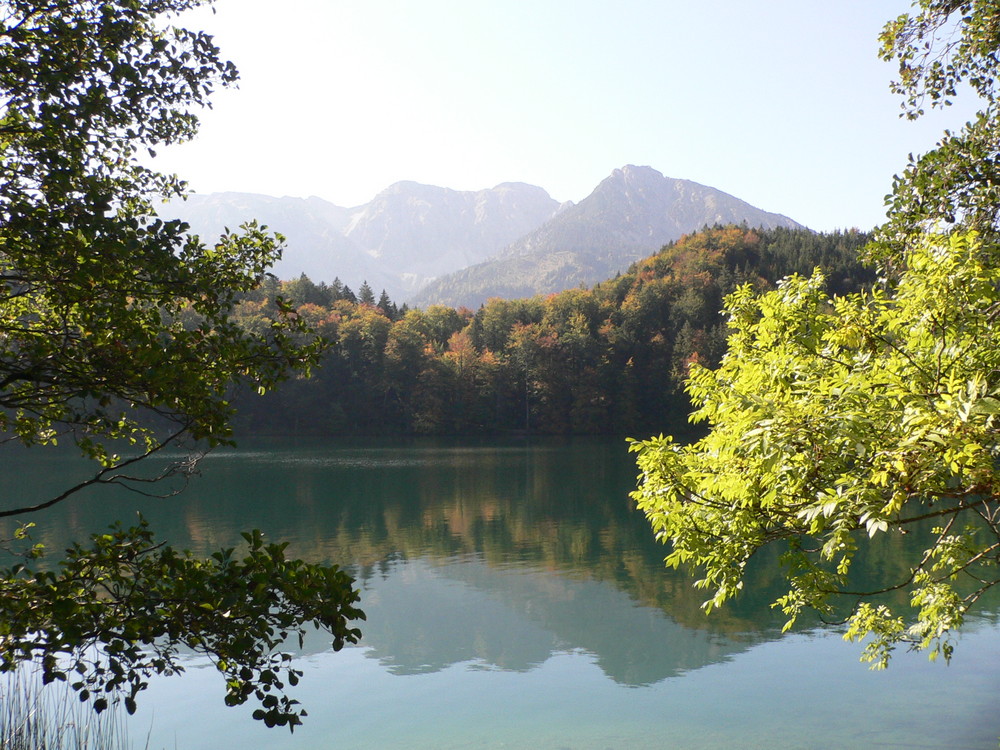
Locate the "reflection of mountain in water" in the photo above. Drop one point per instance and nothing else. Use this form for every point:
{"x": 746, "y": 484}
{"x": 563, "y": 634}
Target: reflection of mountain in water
{"x": 498, "y": 554}
{"x": 425, "y": 616}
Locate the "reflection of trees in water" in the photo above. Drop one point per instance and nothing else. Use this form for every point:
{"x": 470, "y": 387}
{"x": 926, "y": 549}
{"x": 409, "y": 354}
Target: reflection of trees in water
{"x": 513, "y": 551}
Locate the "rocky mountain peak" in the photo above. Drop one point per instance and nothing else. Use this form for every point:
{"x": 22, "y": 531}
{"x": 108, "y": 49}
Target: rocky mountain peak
{"x": 430, "y": 244}
{"x": 631, "y": 214}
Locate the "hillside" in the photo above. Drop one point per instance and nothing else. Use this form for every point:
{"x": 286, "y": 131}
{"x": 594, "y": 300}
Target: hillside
{"x": 631, "y": 214}
{"x": 610, "y": 359}
{"x": 405, "y": 236}
{"x": 420, "y": 232}
{"x": 427, "y": 244}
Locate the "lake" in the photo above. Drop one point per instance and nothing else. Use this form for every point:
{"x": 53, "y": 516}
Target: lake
{"x": 516, "y": 599}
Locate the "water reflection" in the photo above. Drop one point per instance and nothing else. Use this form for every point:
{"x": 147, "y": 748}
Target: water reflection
{"x": 502, "y": 554}
{"x": 425, "y": 615}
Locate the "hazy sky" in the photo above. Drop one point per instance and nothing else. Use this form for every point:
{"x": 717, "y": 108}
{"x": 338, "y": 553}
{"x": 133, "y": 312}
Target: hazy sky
{"x": 783, "y": 103}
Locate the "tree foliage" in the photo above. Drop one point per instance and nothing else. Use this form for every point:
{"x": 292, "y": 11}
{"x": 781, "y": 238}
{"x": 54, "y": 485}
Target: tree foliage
{"x": 841, "y": 421}
{"x": 945, "y": 48}
{"x": 117, "y": 335}
{"x": 138, "y": 602}
{"x": 605, "y": 360}
{"x": 838, "y": 419}
{"x": 104, "y": 304}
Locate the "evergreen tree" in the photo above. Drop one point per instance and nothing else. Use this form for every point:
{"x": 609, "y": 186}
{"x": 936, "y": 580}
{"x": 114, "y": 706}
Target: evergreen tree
{"x": 386, "y": 306}
{"x": 365, "y": 294}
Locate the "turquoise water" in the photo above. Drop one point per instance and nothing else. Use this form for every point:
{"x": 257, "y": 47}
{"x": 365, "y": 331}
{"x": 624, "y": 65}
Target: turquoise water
{"x": 515, "y": 599}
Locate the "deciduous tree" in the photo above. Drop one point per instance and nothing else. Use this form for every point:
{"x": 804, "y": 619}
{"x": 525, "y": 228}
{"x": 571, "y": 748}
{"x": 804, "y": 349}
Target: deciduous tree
{"x": 117, "y": 335}
{"x": 835, "y": 420}
{"x": 944, "y": 47}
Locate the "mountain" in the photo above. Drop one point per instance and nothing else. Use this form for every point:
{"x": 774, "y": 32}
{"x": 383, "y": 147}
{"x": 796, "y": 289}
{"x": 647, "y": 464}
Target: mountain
{"x": 313, "y": 228}
{"x": 424, "y": 232}
{"x": 406, "y": 236}
{"x": 426, "y": 244}
{"x": 631, "y": 214}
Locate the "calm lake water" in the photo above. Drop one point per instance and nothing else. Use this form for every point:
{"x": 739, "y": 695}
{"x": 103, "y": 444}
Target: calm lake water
{"x": 515, "y": 599}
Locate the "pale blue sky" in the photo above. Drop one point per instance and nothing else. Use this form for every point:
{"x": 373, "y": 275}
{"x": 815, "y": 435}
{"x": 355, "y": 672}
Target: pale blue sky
{"x": 782, "y": 103}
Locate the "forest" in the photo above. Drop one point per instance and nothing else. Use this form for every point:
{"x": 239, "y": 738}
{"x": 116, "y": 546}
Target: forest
{"x": 606, "y": 360}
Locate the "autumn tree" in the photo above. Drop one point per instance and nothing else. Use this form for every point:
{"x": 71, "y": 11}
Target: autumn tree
{"x": 117, "y": 336}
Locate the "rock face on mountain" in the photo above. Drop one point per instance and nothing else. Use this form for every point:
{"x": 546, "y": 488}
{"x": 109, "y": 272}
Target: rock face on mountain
{"x": 631, "y": 214}
{"x": 313, "y": 228}
{"x": 424, "y": 232}
{"x": 406, "y": 236}
{"x": 427, "y": 245}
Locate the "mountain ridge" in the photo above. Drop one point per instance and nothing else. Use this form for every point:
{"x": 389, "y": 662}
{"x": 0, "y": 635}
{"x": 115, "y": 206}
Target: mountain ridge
{"x": 629, "y": 215}
{"x": 427, "y": 244}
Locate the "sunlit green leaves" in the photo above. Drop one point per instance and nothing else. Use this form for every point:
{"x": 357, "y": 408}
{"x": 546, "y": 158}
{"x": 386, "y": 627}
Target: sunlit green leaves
{"x": 837, "y": 420}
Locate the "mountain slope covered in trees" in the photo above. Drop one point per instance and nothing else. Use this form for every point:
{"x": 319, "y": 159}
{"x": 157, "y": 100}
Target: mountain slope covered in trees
{"x": 509, "y": 241}
{"x": 632, "y": 213}
{"x": 611, "y": 359}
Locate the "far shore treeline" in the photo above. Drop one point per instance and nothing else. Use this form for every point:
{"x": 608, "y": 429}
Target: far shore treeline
{"x": 606, "y": 360}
